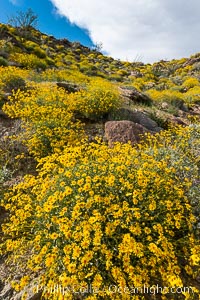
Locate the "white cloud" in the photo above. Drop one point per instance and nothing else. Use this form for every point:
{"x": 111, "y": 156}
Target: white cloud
{"x": 128, "y": 29}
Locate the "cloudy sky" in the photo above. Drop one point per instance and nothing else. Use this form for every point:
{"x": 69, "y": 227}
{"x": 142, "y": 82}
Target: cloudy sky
{"x": 144, "y": 30}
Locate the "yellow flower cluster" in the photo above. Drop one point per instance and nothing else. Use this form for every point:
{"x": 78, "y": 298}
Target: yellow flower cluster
{"x": 188, "y": 92}
{"x": 100, "y": 217}
{"x": 29, "y": 61}
{"x": 46, "y": 112}
{"x": 165, "y": 95}
{"x": 99, "y": 98}
{"x": 62, "y": 75}
{"x": 8, "y": 73}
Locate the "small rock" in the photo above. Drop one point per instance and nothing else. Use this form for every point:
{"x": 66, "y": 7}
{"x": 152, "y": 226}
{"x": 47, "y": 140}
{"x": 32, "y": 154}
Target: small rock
{"x": 69, "y": 87}
{"x": 195, "y": 110}
{"x": 164, "y": 105}
{"x": 177, "y": 121}
{"x": 14, "y": 64}
{"x": 136, "y": 74}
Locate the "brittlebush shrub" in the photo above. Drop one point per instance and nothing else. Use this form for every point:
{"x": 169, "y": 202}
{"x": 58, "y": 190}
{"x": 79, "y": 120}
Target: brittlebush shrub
{"x": 97, "y": 99}
{"x": 29, "y": 61}
{"x": 192, "y": 96}
{"x": 14, "y": 82}
{"x": 108, "y": 218}
{"x": 190, "y": 83}
{"x": 47, "y": 117}
{"x": 47, "y": 112}
{"x": 53, "y": 75}
{"x": 39, "y": 52}
{"x": 12, "y": 78}
{"x": 165, "y": 95}
{"x": 176, "y": 98}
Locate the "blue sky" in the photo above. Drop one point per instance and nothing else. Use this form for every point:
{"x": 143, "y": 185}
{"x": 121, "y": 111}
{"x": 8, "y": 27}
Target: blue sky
{"x": 49, "y": 21}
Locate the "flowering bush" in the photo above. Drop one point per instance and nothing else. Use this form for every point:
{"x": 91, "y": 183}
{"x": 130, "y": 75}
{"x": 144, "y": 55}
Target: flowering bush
{"x": 165, "y": 95}
{"x": 99, "y": 98}
{"x": 103, "y": 216}
{"x": 29, "y": 61}
{"x": 47, "y": 115}
{"x": 192, "y": 96}
{"x": 190, "y": 83}
{"x": 175, "y": 97}
{"x": 12, "y": 78}
{"x": 62, "y": 75}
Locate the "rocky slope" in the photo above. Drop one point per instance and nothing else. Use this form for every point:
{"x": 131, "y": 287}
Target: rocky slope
{"x": 152, "y": 98}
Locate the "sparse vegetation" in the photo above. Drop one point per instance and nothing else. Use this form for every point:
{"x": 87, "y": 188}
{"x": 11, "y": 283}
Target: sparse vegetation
{"x": 24, "y": 20}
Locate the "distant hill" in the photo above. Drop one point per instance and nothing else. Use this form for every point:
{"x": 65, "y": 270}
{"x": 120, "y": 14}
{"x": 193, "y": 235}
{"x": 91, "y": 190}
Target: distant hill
{"x": 60, "y": 53}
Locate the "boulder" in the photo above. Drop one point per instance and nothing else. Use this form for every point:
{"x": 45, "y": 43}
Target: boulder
{"x": 123, "y": 132}
{"x": 134, "y": 95}
{"x": 136, "y": 117}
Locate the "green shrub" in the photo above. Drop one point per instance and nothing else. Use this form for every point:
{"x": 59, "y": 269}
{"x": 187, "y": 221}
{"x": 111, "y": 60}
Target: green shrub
{"x": 3, "y": 62}
{"x": 39, "y": 52}
{"x": 115, "y": 77}
{"x": 30, "y": 45}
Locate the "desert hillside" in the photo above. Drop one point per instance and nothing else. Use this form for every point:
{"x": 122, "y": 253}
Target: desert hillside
{"x": 99, "y": 173}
